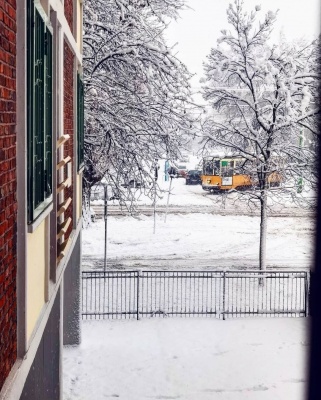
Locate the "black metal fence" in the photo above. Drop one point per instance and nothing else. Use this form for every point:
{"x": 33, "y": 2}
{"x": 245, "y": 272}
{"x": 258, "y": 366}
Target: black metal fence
{"x": 220, "y": 294}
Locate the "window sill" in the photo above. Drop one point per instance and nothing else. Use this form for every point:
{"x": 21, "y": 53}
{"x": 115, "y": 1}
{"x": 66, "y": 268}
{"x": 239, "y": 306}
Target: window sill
{"x": 34, "y": 225}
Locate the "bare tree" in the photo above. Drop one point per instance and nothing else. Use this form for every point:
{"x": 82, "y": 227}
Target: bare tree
{"x": 137, "y": 93}
{"x": 265, "y": 108}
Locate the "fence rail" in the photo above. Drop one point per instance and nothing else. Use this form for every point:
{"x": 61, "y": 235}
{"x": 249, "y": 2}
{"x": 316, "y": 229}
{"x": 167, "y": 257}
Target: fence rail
{"x": 220, "y": 294}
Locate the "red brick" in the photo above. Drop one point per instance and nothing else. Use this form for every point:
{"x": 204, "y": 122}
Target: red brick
{"x": 8, "y": 178}
{"x": 68, "y": 119}
{"x": 69, "y": 13}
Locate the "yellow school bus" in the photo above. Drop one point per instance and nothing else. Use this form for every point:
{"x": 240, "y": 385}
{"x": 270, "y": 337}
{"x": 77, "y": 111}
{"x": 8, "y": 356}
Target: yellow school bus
{"x": 225, "y": 173}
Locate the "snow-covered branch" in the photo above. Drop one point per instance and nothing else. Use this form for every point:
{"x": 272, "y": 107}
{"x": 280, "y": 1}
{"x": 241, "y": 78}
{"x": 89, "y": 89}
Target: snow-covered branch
{"x": 138, "y": 103}
{"x": 265, "y": 106}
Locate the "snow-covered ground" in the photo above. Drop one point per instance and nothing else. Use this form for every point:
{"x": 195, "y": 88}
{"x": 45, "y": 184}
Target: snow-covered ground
{"x": 214, "y": 240}
{"x": 192, "y": 358}
{"x": 189, "y": 359}
{"x": 200, "y": 239}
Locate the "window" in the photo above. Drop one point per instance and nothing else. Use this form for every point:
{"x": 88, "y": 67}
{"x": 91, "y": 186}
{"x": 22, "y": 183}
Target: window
{"x": 211, "y": 167}
{"x": 39, "y": 113}
{"x": 227, "y": 168}
{"x": 80, "y": 121}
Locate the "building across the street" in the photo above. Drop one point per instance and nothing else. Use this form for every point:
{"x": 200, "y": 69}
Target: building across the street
{"x": 41, "y": 161}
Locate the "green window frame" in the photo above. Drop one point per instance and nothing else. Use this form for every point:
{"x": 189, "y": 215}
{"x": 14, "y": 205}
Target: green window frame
{"x": 39, "y": 112}
{"x": 80, "y": 122}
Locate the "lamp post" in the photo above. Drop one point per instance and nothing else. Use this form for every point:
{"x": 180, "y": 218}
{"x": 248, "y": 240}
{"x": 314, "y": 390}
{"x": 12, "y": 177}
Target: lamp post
{"x": 105, "y": 218}
{"x": 156, "y": 167}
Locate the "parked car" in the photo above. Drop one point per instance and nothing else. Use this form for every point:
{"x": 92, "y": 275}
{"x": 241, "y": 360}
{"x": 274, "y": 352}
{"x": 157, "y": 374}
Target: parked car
{"x": 181, "y": 171}
{"x": 193, "y": 177}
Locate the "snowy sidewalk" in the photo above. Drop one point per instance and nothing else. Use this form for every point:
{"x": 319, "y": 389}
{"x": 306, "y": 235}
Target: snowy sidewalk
{"x": 188, "y": 359}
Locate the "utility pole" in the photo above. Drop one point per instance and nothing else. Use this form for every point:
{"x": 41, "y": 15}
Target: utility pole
{"x": 105, "y": 217}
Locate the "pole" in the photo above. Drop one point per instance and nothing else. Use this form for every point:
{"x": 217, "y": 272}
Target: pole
{"x": 154, "y": 207}
{"x": 300, "y": 180}
{"x": 155, "y": 181}
{"x": 169, "y": 192}
{"x": 105, "y": 217}
{"x": 138, "y": 294}
{"x": 224, "y": 294}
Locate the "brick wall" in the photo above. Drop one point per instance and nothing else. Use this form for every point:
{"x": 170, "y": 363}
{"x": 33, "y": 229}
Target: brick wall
{"x": 69, "y": 118}
{"x": 69, "y": 13}
{"x": 8, "y": 203}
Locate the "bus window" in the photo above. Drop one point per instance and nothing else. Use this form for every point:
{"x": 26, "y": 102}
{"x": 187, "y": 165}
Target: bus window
{"x": 227, "y": 167}
{"x": 211, "y": 167}
{"x": 216, "y": 167}
{"x": 207, "y": 167}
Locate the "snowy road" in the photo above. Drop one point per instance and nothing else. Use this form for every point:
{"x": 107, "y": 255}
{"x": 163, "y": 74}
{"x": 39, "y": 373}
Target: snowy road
{"x": 185, "y": 199}
{"x": 215, "y": 209}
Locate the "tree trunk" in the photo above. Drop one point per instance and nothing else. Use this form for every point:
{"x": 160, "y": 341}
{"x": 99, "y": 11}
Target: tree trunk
{"x": 263, "y": 230}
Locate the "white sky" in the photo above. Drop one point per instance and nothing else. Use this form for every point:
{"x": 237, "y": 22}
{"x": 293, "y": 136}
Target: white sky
{"x": 198, "y": 28}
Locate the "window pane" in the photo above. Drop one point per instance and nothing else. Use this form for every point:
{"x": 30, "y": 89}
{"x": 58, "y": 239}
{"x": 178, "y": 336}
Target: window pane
{"x": 39, "y": 111}
{"x": 48, "y": 133}
{"x": 38, "y": 131}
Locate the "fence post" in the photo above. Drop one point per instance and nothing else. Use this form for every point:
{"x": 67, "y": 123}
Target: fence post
{"x": 137, "y": 305}
{"x": 307, "y": 295}
{"x": 224, "y": 293}
{"x": 104, "y": 295}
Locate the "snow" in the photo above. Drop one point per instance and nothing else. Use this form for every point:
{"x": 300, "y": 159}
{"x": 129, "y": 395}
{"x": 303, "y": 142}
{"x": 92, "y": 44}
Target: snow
{"x": 200, "y": 236}
{"x": 188, "y": 359}
{"x": 192, "y": 358}
{"x": 203, "y": 237}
